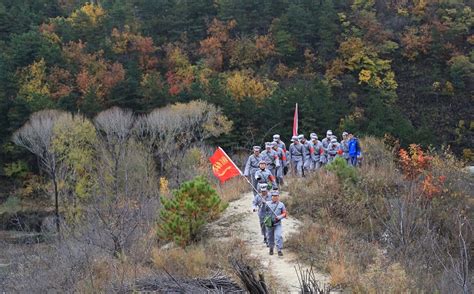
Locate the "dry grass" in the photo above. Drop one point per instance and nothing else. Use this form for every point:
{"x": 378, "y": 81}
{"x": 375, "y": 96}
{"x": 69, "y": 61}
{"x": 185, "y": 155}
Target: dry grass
{"x": 188, "y": 262}
{"x": 350, "y": 263}
{"x": 232, "y": 189}
{"x": 313, "y": 193}
{"x": 205, "y": 259}
{"x": 349, "y": 224}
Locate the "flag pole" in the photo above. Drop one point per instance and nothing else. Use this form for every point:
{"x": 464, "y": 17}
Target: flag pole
{"x": 242, "y": 174}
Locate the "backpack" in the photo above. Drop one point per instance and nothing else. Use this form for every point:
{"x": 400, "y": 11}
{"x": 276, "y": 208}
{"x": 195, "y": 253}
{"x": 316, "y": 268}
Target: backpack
{"x": 268, "y": 219}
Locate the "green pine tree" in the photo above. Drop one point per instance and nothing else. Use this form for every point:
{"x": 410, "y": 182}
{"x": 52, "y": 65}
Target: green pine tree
{"x": 184, "y": 215}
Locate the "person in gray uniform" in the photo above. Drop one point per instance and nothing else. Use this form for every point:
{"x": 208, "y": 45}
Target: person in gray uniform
{"x": 345, "y": 146}
{"x": 263, "y": 175}
{"x": 275, "y": 212}
{"x": 258, "y": 204}
{"x": 296, "y": 156}
{"x": 307, "y": 151}
{"x": 281, "y": 159}
{"x": 251, "y": 167}
{"x": 317, "y": 151}
{"x": 271, "y": 158}
{"x": 325, "y": 142}
{"x": 334, "y": 149}
{"x": 282, "y": 145}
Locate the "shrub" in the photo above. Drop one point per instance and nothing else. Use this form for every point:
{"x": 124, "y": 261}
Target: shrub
{"x": 313, "y": 194}
{"x": 343, "y": 170}
{"x": 183, "y": 216}
{"x": 377, "y": 153}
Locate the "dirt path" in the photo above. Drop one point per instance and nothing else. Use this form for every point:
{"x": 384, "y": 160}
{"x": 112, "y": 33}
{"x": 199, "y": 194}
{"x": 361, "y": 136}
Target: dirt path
{"x": 239, "y": 221}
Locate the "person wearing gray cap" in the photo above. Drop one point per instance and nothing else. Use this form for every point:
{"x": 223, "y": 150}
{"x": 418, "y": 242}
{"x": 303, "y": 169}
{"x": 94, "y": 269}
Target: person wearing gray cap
{"x": 275, "y": 212}
{"x": 271, "y": 158}
{"x": 317, "y": 151}
{"x": 334, "y": 149}
{"x": 281, "y": 159}
{"x": 258, "y": 203}
{"x": 251, "y": 167}
{"x": 325, "y": 142}
{"x": 263, "y": 175}
{"x": 296, "y": 156}
{"x": 345, "y": 146}
{"x": 307, "y": 152}
{"x": 282, "y": 145}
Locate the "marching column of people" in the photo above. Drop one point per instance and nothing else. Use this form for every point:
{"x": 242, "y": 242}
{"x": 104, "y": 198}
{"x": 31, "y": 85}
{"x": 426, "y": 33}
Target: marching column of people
{"x": 266, "y": 171}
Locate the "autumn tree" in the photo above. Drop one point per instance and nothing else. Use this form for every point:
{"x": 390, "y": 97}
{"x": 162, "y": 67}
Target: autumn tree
{"x": 95, "y": 75}
{"x": 37, "y": 137}
{"x": 75, "y": 143}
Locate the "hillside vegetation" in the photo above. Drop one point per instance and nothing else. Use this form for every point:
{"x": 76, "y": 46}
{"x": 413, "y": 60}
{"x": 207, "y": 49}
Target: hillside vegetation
{"x": 401, "y": 68}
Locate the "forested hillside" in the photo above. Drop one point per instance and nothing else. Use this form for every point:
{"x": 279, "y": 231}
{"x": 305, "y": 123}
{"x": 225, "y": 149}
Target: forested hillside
{"x": 399, "y": 68}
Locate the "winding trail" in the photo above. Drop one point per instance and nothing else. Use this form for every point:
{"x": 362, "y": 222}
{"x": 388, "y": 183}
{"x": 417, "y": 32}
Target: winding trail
{"x": 238, "y": 220}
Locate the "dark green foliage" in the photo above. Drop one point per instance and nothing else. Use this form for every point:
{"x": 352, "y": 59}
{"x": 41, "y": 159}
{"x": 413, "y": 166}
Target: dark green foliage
{"x": 433, "y": 66}
{"x": 343, "y": 170}
{"x": 183, "y": 216}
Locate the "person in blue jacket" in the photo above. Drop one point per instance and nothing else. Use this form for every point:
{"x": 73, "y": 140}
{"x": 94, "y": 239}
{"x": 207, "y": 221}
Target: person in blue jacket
{"x": 354, "y": 149}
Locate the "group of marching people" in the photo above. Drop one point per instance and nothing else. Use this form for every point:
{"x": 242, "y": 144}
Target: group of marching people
{"x": 266, "y": 170}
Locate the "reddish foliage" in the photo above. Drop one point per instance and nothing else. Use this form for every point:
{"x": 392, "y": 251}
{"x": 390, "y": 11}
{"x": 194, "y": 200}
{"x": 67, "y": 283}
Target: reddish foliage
{"x": 432, "y": 187}
{"x": 414, "y": 161}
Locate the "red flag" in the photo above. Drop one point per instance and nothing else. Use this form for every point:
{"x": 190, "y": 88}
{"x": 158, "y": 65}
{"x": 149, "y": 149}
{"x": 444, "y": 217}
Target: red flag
{"x": 222, "y": 166}
{"x": 295, "y": 121}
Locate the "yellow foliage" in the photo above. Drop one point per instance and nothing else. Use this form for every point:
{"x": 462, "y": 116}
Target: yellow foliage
{"x": 93, "y": 14}
{"x": 449, "y": 88}
{"x": 357, "y": 56}
{"x": 241, "y": 84}
{"x": 468, "y": 154}
{"x": 33, "y": 80}
{"x": 364, "y": 76}
{"x": 164, "y": 186}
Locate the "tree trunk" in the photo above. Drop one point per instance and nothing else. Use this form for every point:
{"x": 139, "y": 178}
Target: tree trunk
{"x": 56, "y": 202}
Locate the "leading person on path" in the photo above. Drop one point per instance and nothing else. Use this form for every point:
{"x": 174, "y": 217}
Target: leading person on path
{"x": 275, "y": 212}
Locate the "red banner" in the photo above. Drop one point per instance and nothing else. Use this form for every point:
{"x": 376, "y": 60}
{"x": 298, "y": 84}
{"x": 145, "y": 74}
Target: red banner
{"x": 295, "y": 121}
{"x": 222, "y": 166}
